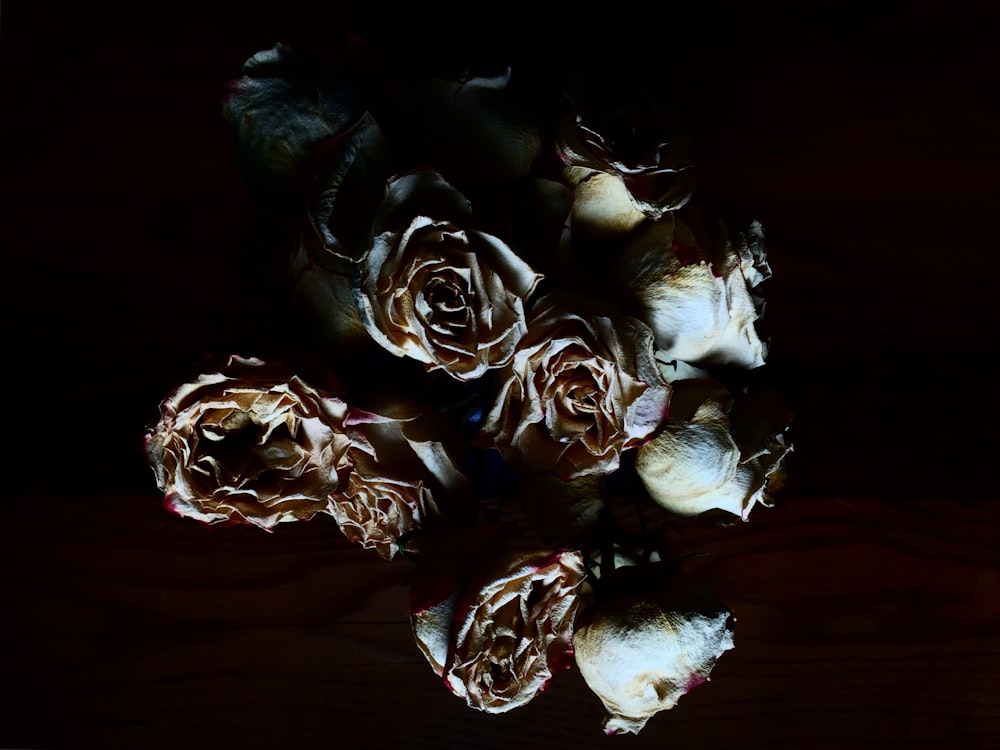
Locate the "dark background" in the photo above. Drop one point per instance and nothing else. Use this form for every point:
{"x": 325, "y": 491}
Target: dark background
{"x": 866, "y": 142}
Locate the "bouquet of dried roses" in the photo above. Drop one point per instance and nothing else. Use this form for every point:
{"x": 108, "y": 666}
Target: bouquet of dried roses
{"x": 521, "y": 317}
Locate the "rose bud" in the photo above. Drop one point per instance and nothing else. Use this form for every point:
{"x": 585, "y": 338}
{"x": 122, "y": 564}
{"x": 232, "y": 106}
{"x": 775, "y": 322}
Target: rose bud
{"x": 437, "y": 290}
{"x": 626, "y": 165}
{"x": 583, "y": 386}
{"x": 704, "y": 459}
{"x": 648, "y": 643}
{"x": 692, "y": 282}
{"x": 251, "y": 443}
{"x": 405, "y": 476}
{"x": 497, "y": 627}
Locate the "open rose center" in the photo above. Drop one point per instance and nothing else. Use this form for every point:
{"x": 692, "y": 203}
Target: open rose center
{"x": 448, "y": 295}
{"x": 581, "y": 389}
{"x": 442, "y": 280}
{"x": 443, "y": 305}
{"x": 577, "y": 392}
{"x": 580, "y": 394}
{"x": 505, "y": 658}
{"x": 576, "y": 406}
{"x": 241, "y": 457}
{"x": 502, "y": 677}
{"x": 250, "y": 443}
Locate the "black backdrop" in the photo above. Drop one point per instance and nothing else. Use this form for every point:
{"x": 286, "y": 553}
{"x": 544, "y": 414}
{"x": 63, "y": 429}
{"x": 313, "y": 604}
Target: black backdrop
{"x": 863, "y": 136}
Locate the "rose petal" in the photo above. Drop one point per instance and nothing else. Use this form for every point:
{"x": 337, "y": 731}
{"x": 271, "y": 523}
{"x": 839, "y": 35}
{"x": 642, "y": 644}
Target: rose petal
{"x": 694, "y": 292}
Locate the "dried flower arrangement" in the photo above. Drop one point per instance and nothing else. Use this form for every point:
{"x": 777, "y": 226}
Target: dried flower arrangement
{"x": 522, "y": 315}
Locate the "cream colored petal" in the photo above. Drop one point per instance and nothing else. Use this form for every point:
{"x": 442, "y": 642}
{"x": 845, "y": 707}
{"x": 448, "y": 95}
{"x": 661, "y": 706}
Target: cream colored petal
{"x": 602, "y": 205}
{"x": 640, "y": 655}
{"x": 696, "y": 464}
{"x": 691, "y": 467}
{"x": 697, "y": 300}
{"x": 432, "y": 631}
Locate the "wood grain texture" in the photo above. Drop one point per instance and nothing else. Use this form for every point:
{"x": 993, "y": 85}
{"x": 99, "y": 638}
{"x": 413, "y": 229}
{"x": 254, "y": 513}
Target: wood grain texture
{"x": 859, "y": 623}
{"x": 864, "y": 138}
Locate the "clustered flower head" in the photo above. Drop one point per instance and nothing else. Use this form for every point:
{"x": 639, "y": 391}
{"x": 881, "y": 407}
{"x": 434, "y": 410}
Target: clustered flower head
{"x": 521, "y": 317}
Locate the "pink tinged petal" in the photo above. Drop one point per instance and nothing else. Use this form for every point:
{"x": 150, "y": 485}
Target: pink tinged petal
{"x": 432, "y": 631}
{"x": 695, "y": 680}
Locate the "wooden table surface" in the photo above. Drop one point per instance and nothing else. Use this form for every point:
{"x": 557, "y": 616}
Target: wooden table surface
{"x": 867, "y": 141}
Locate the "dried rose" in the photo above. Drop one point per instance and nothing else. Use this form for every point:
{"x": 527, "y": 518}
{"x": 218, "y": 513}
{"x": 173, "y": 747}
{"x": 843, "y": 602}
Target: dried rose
{"x": 642, "y": 649}
{"x": 434, "y": 289}
{"x": 716, "y": 451}
{"x": 582, "y": 387}
{"x": 281, "y": 106}
{"x": 497, "y": 636}
{"x": 250, "y": 443}
{"x": 343, "y": 182}
{"x": 626, "y": 165}
{"x": 404, "y": 476}
{"x": 302, "y": 127}
{"x": 692, "y": 282}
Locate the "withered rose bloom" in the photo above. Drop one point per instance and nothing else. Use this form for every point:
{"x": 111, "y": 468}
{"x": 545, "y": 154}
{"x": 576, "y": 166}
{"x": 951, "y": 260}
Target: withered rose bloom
{"x": 693, "y": 281}
{"x": 437, "y": 290}
{"x": 404, "y": 477}
{"x": 302, "y": 128}
{"x": 250, "y": 443}
{"x": 627, "y": 164}
{"x": 716, "y": 451}
{"x": 498, "y": 637}
{"x": 641, "y": 649}
{"x": 281, "y": 107}
{"x": 583, "y": 386}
